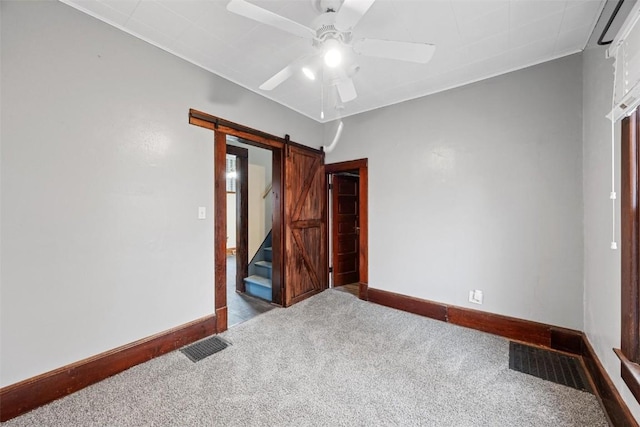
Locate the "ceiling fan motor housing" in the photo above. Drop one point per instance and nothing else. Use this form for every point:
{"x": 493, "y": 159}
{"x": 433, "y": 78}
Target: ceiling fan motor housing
{"x": 326, "y": 29}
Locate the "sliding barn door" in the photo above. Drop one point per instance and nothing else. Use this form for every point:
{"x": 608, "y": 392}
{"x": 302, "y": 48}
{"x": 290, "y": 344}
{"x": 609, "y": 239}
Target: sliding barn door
{"x": 305, "y": 226}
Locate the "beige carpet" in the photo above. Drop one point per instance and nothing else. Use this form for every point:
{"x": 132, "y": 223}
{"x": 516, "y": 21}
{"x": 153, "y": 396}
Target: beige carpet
{"x": 332, "y": 360}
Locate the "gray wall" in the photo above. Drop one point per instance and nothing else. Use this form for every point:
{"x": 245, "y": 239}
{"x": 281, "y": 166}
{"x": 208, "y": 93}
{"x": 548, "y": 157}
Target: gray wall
{"x": 479, "y": 188}
{"x": 101, "y": 180}
{"x": 264, "y": 158}
{"x": 602, "y": 265}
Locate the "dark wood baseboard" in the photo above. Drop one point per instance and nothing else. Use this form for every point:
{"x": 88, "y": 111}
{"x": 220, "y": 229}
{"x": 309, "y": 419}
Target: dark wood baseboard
{"x": 567, "y": 340}
{"x": 18, "y": 398}
{"x": 505, "y": 326}
{"x": 221, "y": 319}
{"x": 413, "y": 305}
{"x": 554, "y": 337}
{"x": 508, "y": 327}
{"x": 362, "y": 291}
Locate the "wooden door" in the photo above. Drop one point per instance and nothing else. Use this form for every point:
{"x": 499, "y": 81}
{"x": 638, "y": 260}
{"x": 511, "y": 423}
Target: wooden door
{"x": 345, "y": 230}
{"x": 305, "y": 227}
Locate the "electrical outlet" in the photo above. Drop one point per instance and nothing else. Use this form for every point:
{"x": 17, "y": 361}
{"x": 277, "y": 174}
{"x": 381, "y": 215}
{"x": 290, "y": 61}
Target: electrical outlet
{"x": 475, "y": 296}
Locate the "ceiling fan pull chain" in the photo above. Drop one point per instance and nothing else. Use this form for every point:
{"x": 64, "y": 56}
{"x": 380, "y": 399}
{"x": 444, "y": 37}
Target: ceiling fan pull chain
{"x": 322, "y": 95}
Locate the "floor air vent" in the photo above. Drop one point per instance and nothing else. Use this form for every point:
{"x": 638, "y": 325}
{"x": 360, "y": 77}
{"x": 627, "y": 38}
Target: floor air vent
{"x": 205, "y": 348}
{"x": 548, "y": 365}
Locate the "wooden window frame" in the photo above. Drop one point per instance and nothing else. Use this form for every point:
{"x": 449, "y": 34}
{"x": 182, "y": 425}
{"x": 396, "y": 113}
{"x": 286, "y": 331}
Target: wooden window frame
{"x": 629, "y": 352}
{"x": 231, "y": 182}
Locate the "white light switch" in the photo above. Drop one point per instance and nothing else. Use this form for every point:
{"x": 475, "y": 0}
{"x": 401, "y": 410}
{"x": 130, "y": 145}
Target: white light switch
{"x": 202, "y": 212}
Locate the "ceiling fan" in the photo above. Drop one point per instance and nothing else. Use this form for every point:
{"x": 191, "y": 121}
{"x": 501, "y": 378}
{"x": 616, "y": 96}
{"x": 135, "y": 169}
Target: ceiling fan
{"x": 335, "y": 49}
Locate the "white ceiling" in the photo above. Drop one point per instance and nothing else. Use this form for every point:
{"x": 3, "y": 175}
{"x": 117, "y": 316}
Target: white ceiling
{"x": 475, "y": 39}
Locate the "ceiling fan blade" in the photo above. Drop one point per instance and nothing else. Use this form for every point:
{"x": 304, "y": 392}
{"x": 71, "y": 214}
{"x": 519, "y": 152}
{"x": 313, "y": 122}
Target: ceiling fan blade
{"x": 346, "y": 90}
{"x": 282, "y": 75}
{"x": 403, "y": 51}
{"x": 278, "y": 78}
{"x": 264, "y": 16}
{"x": 351, "y": 12}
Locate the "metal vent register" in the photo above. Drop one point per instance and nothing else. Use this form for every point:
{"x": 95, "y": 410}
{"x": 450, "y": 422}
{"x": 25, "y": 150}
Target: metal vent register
{"x": 205, "y": 348}
{"x": 548, "y": 365}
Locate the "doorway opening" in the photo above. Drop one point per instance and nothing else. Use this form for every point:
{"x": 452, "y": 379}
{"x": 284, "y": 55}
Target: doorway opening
{"x": 249, "y": 230}
{"x": 298, "y": 237}
{"x": 348, "y": 225}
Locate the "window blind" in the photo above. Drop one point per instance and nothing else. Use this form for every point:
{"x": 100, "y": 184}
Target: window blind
{"x": 626, "y": 51}
{"x": 231, "y": 173}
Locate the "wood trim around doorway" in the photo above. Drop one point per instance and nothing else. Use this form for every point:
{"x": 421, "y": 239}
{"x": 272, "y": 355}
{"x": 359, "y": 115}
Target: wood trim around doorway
{"x": 242, "y": 215}
{"x": 220, "y": 228}
{"x": 361, "y": 165}
{"x": 221, "y": 129}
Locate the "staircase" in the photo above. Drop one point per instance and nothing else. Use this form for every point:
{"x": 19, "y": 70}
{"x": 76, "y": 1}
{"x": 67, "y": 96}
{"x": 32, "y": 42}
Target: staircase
{"x": 258, "y": 284}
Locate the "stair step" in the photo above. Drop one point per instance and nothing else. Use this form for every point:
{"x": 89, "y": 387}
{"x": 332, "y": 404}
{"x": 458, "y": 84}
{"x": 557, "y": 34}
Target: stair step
{"x": 258, "y": 286}
{"x": 268, "y": 254}
{"x": 258, "y": 281}
{"x": 265, "y": 264}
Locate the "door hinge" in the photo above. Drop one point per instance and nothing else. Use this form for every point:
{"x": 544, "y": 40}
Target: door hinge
{"x": 330, "y": 269}
{"x": 330, "y": 186}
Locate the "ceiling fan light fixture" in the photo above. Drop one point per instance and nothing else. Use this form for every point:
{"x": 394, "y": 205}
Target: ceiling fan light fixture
{"x": 332, "y": 58}
{"x": 332, "y": 53}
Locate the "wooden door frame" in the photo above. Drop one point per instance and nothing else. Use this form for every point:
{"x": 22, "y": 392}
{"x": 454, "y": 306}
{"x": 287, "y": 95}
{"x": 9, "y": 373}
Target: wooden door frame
{"x": 629, "y": 351}
{"x": 221, "y": 129}
{"x": 242, "y": 214}
{"x": 337, "y": 220}
{"x": 360, "y": 165}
